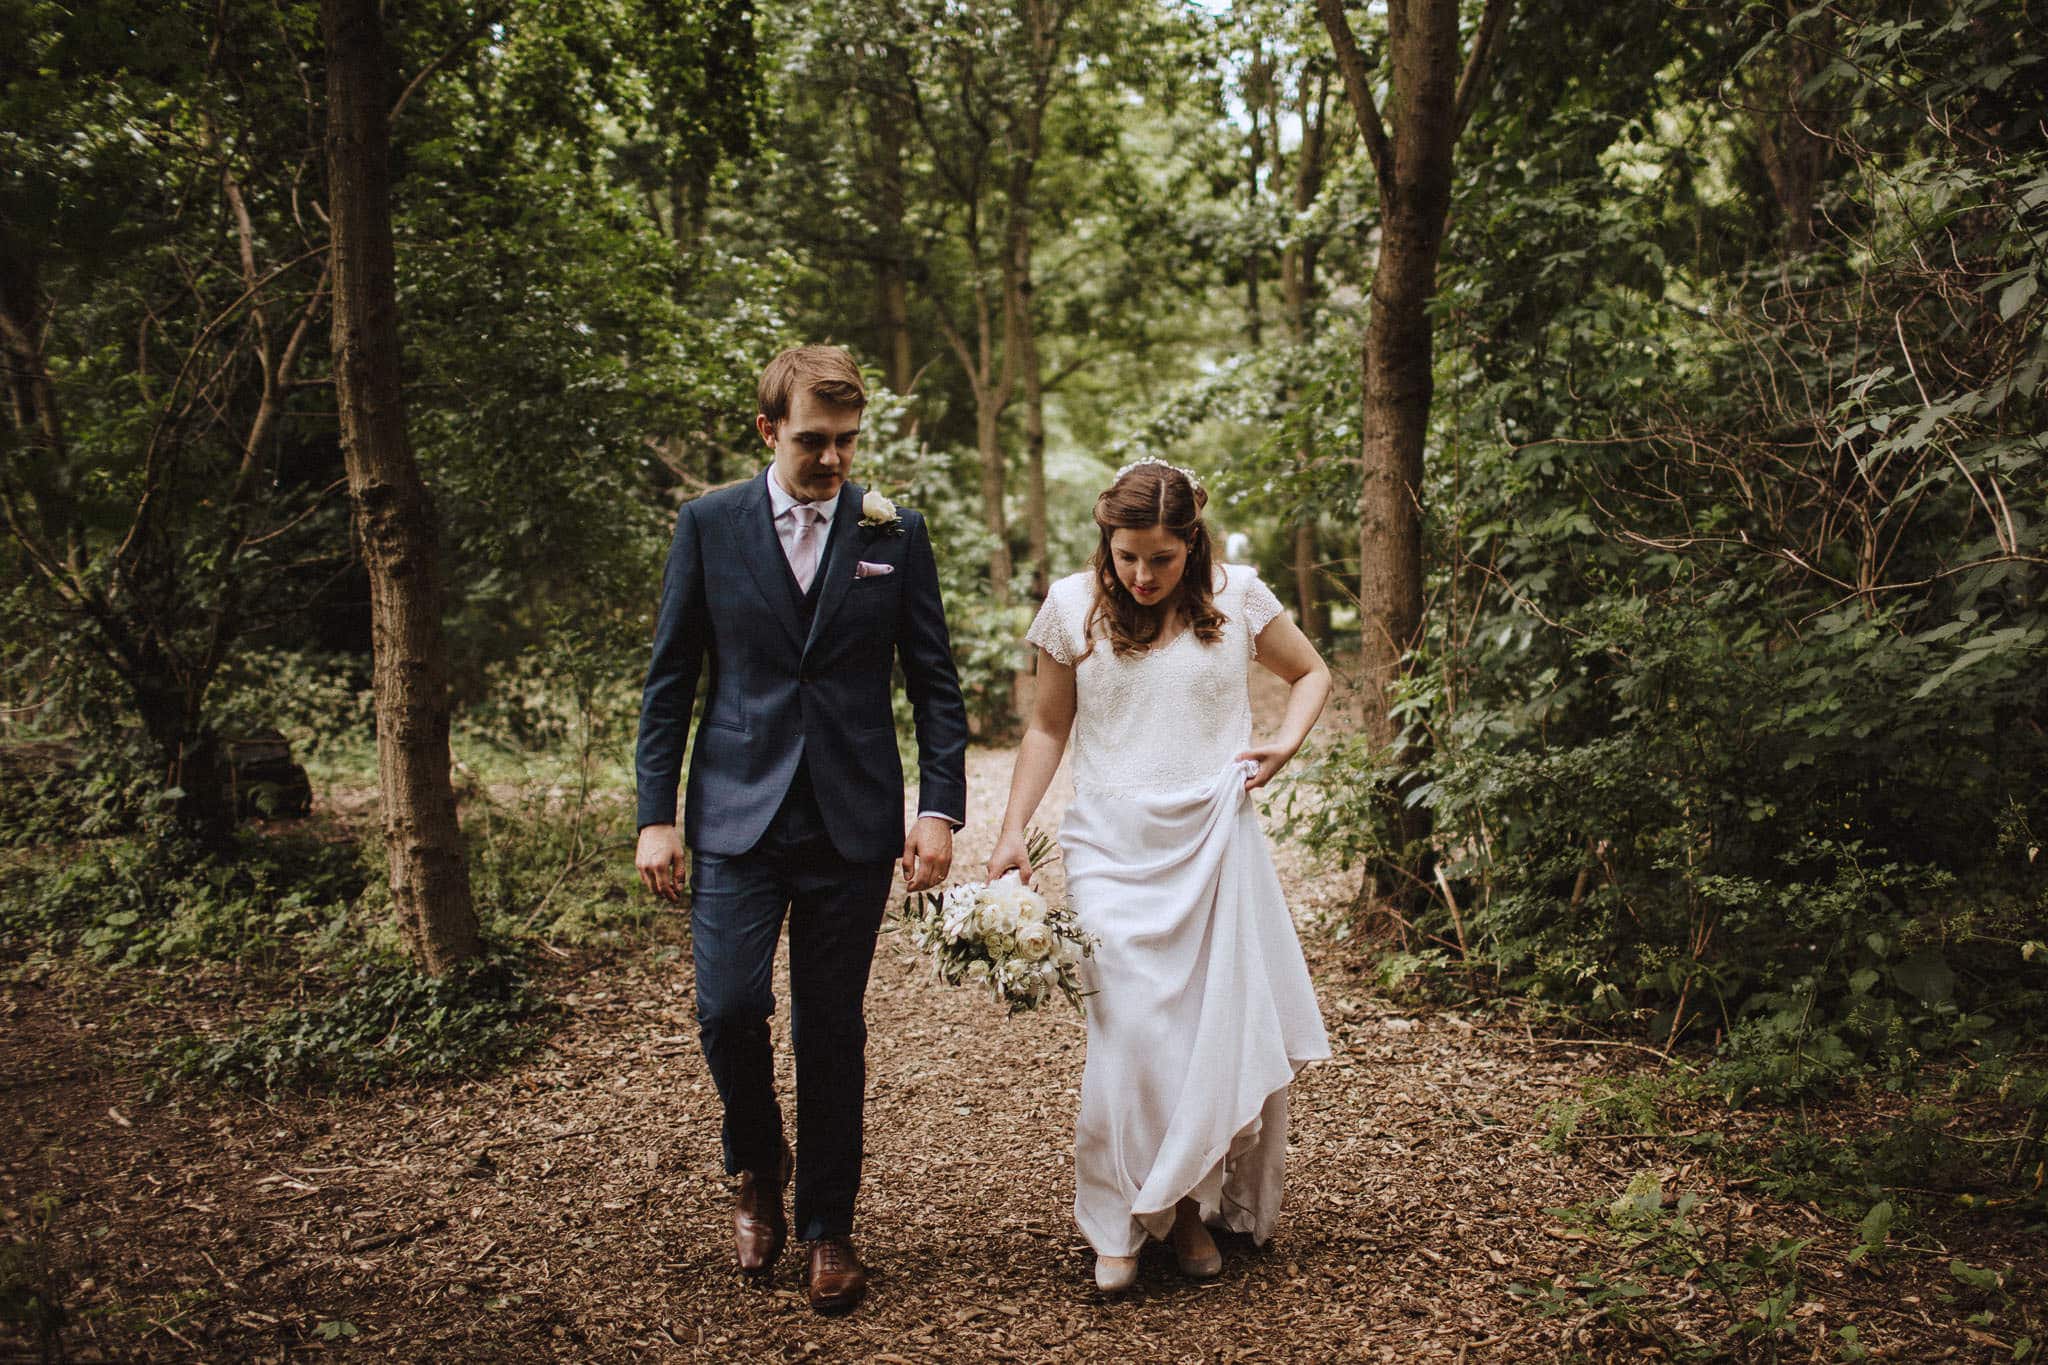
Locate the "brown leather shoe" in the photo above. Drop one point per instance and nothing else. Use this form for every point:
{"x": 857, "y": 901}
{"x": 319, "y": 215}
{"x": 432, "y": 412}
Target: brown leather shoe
{"x": 837, "y": 1280}
{"x": 759, "y": 1229}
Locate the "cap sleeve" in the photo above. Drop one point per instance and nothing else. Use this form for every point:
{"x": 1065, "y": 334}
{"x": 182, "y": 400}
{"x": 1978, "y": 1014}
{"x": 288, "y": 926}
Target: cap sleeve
{"x": 1260, "y": 607}
{"x": 1049, "y": 630}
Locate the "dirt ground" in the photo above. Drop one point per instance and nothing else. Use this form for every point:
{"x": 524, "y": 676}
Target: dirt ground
{"x": 573, "y": 1206}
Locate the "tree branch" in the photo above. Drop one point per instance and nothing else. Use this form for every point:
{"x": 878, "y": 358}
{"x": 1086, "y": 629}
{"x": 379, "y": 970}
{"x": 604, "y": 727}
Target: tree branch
{"x": 484, "y": 23}
{"x": 1357, "y": 73}
{"x": 1493, "y": 22}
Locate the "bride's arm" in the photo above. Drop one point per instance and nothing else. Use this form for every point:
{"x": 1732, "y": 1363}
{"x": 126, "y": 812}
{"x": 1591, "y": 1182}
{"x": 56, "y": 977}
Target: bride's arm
{"x": 1288, "y": 655}
{"x": 1038, "y": 758}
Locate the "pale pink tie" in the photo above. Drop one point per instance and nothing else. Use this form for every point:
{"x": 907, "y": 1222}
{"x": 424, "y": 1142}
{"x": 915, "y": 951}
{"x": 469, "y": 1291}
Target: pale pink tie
{"x": 803, "y": 546}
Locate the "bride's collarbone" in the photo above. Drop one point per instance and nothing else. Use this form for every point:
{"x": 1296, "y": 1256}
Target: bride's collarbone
{"x": 1179, "y": 626}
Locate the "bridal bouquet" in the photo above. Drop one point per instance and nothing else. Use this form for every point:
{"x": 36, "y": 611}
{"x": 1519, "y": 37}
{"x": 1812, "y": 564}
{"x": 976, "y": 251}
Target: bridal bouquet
{"x": 1002, "y": 936}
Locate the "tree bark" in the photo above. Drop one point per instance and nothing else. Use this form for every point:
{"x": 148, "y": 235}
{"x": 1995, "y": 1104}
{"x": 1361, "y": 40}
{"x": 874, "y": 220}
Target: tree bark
{"x": 33, "y": 410}
{"x": 892, "y": 286}
{"x": 1412, "y": 167}
{"x": 1308, "y": 591}
{"x": 1021, "y": 325}
{"x": 988, "y": 441}
{"x": 1298, "y": 293}
{"x": 1035, "y": 529}
{"x": 394, "y": 516}
{"x": 1793, "y": 133}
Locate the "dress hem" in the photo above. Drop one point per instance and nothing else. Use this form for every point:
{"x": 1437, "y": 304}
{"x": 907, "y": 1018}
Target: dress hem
{"x": 1215, "y": 1157}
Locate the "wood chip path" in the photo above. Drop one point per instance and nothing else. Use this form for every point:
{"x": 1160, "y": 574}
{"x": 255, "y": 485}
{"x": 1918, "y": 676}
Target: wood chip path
{"x": 572, "y": 1207}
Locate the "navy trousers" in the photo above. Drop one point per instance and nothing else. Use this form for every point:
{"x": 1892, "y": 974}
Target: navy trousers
{"x": 835, "y": 910}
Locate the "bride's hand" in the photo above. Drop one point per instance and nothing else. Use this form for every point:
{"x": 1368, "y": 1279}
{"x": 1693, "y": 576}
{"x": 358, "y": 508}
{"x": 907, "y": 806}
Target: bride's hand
{"x": 1010, "y": 853}
{"x": 1271, "y": 758}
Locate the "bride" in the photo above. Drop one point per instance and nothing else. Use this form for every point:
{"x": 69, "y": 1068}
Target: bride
{"x": 1203, "y": 1010}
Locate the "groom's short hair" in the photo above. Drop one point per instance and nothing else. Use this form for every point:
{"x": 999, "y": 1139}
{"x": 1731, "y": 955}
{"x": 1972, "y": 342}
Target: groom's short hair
{"x": 827, "y": 372}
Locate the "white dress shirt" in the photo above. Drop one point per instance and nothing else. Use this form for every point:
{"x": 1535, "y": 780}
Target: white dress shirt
{"x": 784, "y": 503}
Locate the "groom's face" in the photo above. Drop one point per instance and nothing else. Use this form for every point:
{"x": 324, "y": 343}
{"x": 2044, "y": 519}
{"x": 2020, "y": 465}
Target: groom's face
{"x": 813, "y": 445}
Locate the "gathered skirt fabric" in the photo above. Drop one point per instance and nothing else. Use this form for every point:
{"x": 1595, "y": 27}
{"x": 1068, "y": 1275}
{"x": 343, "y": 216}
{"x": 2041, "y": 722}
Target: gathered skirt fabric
{"x": 1202, "y": 1012}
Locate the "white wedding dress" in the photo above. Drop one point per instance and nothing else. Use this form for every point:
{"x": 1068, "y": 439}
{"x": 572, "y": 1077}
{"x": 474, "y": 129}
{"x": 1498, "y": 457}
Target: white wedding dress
{"x": 1203, "y": 1011}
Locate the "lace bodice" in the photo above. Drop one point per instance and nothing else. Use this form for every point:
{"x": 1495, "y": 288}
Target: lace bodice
{"x": 1171, "y": 717}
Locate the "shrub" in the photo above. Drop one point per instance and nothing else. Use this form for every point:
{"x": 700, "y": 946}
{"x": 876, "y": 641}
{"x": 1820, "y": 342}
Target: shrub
{"x": 388, "y": 1022}
{"x": 135, "y": 902}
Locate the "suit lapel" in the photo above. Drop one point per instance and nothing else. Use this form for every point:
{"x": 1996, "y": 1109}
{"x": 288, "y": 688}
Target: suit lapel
{"x": 841, "y": 553}
{"x": 753, "y": 527}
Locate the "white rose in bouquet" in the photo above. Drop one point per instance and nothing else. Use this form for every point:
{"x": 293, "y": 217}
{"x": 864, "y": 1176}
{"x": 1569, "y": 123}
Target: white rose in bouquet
{"x": 1034, "y": 941}
{"x": 978, "y": 972}
{"x": 1000, "y": 901}
{"x": 1030, "y": 906}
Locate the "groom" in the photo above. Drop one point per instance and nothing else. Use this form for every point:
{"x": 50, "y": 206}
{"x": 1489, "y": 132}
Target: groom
{"x": 794, "y": 595}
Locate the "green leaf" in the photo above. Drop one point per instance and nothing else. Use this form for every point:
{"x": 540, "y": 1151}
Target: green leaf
{"x": 1977, "y": 1277}
{"x": 1876, "y": 1224}
{"x": 1927, "y": 976}
{"x": 2017, "y": 295}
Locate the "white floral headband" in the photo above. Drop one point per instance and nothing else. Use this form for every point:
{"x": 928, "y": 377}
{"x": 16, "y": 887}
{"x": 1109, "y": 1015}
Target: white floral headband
{"x": 1187, "y": 474}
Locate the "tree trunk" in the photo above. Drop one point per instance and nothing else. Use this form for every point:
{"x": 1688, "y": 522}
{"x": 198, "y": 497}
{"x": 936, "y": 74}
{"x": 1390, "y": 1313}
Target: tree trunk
{"x": 1412, "y": 168}
{"x": 1793, "y": 132}
{"x": 892, "y": 317}
{"x": 194, "y": 762}
{"x": 1298, "y": 292}
{"x": 1034, "y": 472}
{"x": 1025, "y": 335}
{"x": 1032, "y": 376}
{"x": 1308, "y": 591}
{"x": 394, "y": 517}
{"x": 33, "y": 412}
{"x": 988, "y": 416}
{"x": 892, "y": 289}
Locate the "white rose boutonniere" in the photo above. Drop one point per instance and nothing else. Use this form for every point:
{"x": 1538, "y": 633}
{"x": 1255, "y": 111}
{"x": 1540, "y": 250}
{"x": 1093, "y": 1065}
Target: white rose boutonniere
{"x": 877, "y": 512}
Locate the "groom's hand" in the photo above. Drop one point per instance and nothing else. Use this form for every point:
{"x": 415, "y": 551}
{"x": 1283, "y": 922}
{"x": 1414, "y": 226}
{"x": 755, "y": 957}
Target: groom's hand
{"x": 662, "y": 865}
{"x": 927, "y": 853}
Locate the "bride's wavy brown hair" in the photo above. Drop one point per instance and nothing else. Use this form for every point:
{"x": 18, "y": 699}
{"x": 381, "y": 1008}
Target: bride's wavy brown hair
{"x": 1151, "y": 495}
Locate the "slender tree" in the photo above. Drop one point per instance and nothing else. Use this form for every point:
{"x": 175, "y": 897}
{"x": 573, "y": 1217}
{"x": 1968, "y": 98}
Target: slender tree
{"x": 1431, "y": 95}
{"x": 157, "y": 326}
{"x": 1298, "y": 290}
{"x": 394, "y": 516}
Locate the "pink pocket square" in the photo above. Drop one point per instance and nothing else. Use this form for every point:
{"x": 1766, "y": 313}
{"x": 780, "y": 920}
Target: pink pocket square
{"x": 863, "y": 569}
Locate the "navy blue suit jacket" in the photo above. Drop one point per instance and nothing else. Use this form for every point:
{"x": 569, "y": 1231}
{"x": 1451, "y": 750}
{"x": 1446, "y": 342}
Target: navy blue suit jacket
{"x": 777, "y": 692}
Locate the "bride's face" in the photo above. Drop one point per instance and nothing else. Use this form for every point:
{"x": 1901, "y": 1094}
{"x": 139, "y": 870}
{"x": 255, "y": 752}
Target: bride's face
{"x": 1148, "y": 563}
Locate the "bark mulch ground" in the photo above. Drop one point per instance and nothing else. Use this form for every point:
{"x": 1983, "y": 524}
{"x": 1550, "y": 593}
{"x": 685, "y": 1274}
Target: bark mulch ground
{"x": 573, "y": 1206}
